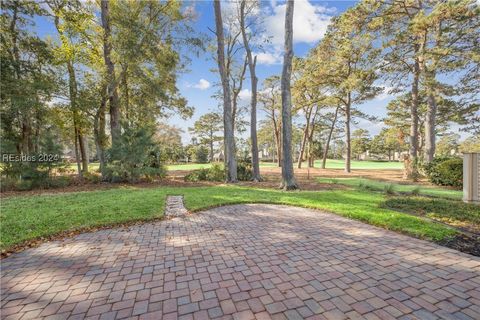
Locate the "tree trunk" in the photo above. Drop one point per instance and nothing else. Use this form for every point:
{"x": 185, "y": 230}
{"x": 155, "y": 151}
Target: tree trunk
{"x": 253, "y": 104}
{"x": 99, "y": 134}
{"x": 305, "y": 137}
{"x": 77, "y": 154}
{"x": 229, "y": 139}
{"x": 288, "y": 177}
{"x": 413, "y": 151}
{"x": 430, "y": 121}
{"x": 430, "y": 128}
{"x": 278, "y": 140}
{"x": 211, "y": 145}
{"x": 25, "y": 143}
{"x": 83, "y": 152}
{"x": 115, "y": 127}
{"x": 310, "y": 157}
{"x": 73, "y": 89}
{"x": 126, "y": 93}
{"x": 327, "y": 144}
{"x": 348, "y": 155}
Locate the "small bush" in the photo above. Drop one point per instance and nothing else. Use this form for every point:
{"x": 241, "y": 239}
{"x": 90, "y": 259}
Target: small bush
{"x": 389, "y": 188}
{"x": 92, "y": 177}
{"x": 363, "y": 185}
{"x": 197, "y": 175}
{"x": 415, "y": 191}
{"x": 216, "y": 173}
{"x": 445, "y": 172}
{"x": 135, "y": 158}
{"x": 201, "y": 154}
{"x": 60, "y": 182}
{"x": 244, "y": 170}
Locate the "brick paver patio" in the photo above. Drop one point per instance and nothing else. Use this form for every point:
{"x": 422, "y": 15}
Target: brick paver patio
{"x": 242, "y": 262}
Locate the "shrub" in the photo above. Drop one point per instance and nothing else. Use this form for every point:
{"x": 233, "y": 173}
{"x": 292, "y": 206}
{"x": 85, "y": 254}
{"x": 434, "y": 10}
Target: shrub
{"x": 389, "y": 188}
{"x": 36, "y": 169}
{"x": 136, "y": 157}
{"x": 415, "y": 191}
{"x": 217, "y": 173}
{"x": 197, "y": 175}
{"x": 92, "y": 177}
{"x": 244, "y": 170}
{"x": 201, "y": 154}
{"x": 445, "y": 172}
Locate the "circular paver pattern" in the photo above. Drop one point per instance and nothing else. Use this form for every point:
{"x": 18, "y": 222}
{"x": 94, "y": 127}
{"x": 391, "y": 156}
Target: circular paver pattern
{"x": 242, "y": 262}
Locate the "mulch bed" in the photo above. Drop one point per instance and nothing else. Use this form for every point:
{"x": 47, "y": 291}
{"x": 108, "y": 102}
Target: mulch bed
{"x": 464, "y": 243}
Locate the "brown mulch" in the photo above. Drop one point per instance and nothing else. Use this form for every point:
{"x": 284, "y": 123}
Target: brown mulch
{"x": 464, "y": 243}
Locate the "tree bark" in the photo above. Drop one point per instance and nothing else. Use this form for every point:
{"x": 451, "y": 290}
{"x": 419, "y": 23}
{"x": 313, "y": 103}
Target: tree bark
{"x": 83, "y": 151}
{"x": 430, "y": 128}
{"x": 253, "y": 103}
{"x": 72, "y": 84}
{"x": 413, "y": 151}
{"x": 229, "y": 139}
{"x": 25, "y": 143}
{"x": 99, "y": 133}
{"x": 77, "y": 153}
{"x": 348, "y": 156}
{"x": 327, "y": 144}
{"x": 430, "y": 121}
{"x": 115, "y": 116}
{"x": 310, "y": 157}
{"x": 288, "y": 177}
{"x": 211, "y": 145}
{"x": 305, "y": 137}
{"x": 278, "y": 140}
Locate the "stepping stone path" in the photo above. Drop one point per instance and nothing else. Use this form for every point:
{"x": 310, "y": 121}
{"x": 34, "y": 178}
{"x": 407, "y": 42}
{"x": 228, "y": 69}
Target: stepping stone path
{"x": 174, "y": 207}
{"x": 241, "y": 262}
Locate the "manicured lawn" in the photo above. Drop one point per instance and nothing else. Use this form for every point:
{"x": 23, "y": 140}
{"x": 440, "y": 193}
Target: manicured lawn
{"x": 331, "y": 164}
{"x": 450, "y": 211}
{"x": 377, "y": 165}
{"x": 363, "y": 183}
{"x": 188, "y": 166}
{"x": 92, "y": 166}
{"x": 29, "y": 217}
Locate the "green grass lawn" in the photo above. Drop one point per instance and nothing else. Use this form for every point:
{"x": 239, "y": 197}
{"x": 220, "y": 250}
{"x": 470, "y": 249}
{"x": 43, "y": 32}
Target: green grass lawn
{"x": 188, "y": 166}
{"x": 363, "y": 183}
{"x": 331, "y": 164}
{"x": 92, "y": 166}
{"x": 449, "y": 211}
{"x": 28, "y": 217}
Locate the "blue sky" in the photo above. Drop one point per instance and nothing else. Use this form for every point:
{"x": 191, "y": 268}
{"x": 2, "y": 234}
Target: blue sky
{"x": 311, "y": 18}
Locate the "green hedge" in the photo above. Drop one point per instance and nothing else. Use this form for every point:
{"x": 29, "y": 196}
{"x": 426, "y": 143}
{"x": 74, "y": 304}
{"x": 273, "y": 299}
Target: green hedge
{"x": 445, "y": 172}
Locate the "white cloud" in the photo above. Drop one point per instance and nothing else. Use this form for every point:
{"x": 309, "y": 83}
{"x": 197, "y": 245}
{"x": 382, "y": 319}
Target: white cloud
{"x": 202, "y": 85}
{"x": 385, "y": 94}
{"x": 388, "y": 93}
{"x": 245, "y": 95}
{"x": 310, "y": 22}
{"x": 269, "y": 58}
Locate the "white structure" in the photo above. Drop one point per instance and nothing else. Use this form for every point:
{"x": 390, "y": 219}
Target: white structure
{"x": 471, "y": 177}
